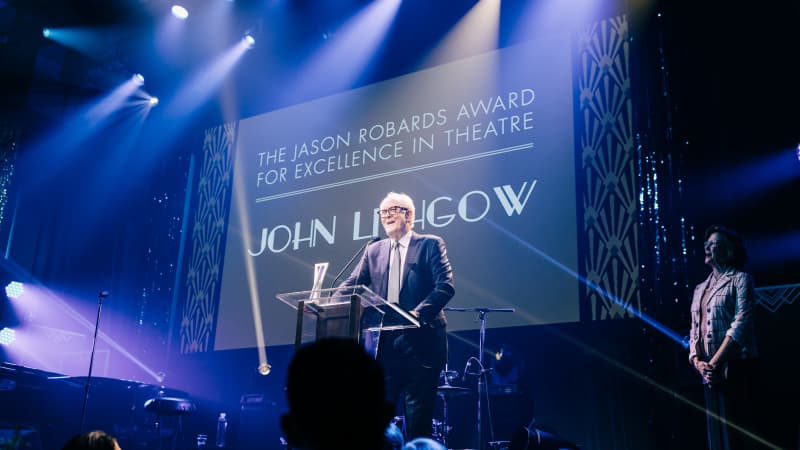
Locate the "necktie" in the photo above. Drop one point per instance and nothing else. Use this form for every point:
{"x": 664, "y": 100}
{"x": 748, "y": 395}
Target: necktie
{"x": 395, "y": 272}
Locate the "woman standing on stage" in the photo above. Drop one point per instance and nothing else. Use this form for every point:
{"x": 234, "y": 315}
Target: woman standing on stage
{"x": 722, "y": 344}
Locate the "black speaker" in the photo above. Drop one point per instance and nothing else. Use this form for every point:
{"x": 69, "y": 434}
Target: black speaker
{"x": 510, "y": 411}
{"x": 259, "y": 424}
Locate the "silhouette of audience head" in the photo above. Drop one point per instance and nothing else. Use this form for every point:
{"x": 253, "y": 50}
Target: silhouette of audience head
{"x": 92, "y": 440}
{"x": 423, "y": 443}
{"x": 336, "y": 398}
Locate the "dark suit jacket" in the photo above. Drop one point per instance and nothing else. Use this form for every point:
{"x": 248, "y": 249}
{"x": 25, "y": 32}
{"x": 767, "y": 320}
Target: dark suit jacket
{"x": 427, "y": 287}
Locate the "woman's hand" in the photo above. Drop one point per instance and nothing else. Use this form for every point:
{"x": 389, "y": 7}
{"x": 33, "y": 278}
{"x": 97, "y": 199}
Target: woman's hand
{"x": 712, "y": 374}
{"x": 707, "y": 371}
{"x": 700, "y": 366}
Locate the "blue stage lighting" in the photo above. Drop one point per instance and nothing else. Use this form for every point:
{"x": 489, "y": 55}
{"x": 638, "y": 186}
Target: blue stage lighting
{"x": 46, "y": 32}
{"x": 153, "y": 101}
{"x": 180, "y": 12}
{"x": 14, "y": 289}
{"x": 798, "y": 152}
{"x": 7, "y": 336}
{"x": 250, "y": 41}
{"x": 138, "y": 79}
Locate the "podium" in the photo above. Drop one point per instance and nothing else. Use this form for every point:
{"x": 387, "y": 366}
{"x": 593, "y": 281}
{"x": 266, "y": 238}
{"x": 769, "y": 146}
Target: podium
{"x": 353, "y": 311}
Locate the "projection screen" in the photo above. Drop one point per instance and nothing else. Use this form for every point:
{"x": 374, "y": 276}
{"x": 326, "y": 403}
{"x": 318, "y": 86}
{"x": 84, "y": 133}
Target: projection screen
{"x": 484, "y": 146}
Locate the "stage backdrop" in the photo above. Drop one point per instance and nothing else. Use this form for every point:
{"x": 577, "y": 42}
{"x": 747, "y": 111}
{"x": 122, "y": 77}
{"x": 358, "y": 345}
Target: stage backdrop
{"x": 486, "y": 147}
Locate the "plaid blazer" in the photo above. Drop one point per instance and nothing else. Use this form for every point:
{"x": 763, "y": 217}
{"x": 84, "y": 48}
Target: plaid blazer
{"x": 728, "y": 312}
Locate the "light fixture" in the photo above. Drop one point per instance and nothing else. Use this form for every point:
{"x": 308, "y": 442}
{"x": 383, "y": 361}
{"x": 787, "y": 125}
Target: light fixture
{"x": 180, "y": 12}
{"x": 7, "y": 336}
{"x": 46, "y": 32}
{"x": 153, "y": 101}
{"x": 249, "y": 40}
{"x": 264, "y": 369}
{"x": 14, "y": 289}
{"x": 138, "y": 79}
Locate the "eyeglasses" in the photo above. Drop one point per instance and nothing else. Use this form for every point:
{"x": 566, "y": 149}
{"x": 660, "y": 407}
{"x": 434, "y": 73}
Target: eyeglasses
{"x": 391, "y": 211}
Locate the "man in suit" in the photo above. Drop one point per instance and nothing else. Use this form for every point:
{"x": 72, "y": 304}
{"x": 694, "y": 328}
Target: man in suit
{"x": 412, "y": 270}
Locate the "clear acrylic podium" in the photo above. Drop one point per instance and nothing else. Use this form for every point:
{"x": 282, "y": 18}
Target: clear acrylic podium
{"x": 354, "y": 311}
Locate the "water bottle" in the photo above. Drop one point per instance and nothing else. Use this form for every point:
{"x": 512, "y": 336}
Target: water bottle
{"x": 222, "y": 428}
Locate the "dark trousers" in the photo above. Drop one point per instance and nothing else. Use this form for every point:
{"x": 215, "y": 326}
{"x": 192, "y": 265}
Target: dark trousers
{"x": 730, "y": 408}
{"x": 411, "y": 386}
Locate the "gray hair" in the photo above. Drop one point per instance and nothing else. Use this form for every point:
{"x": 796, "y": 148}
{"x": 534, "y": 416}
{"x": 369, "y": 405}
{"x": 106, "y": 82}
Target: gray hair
{"x": 401, "y": 198}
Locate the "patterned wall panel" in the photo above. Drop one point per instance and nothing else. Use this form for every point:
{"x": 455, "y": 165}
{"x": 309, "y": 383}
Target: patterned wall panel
{"x": 608, "y": 160}
{"x": 773, "y": 297}
{"x": 208, "y": 231}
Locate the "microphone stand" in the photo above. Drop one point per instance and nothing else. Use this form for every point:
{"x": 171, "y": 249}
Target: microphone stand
{"x": 100, "y": 298}
{"x": 365, "y": 340}
{"x": 481, "y": 372}
{"x": 338, "y": 275}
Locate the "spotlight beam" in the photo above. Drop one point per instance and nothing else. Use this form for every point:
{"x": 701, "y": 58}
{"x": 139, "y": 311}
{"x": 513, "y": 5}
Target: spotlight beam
{"x": 476, "y": 32}
{"x": 112, "y": 101}
{"x": 206, "y": 80}
{"x": 36, "y": 290}
{"x": 343, "y": 58}
{"x": 595, "y": 287}
{"x": 252, "y": 285}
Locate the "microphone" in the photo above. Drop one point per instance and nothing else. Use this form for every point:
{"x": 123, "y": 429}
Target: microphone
{"x": 363, "y": 247}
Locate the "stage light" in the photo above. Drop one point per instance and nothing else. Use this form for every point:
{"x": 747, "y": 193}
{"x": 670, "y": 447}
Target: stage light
{"x": 798, "y": 152}
{"x": 264, "y": 369}
{"x": 138, "y": 79}
{"x": 249, "y": 40}
{"x": 7, "y": 336}
{"x": 153, "y": 101}
{"x": 180, "y": 12}
{"x": 14, "y": 289}
{"x": 46, "y": 32}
